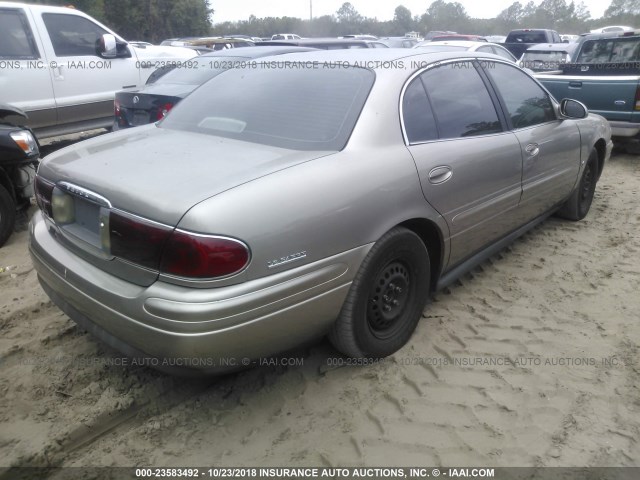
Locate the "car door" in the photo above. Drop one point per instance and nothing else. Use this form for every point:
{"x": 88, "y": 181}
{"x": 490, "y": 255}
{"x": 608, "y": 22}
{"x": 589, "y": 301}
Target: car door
{"x": 550, "y": 145}
{"x": 25, "y": 81}
{"x": 84, "y": 83}
{"x": 470, "y": 168}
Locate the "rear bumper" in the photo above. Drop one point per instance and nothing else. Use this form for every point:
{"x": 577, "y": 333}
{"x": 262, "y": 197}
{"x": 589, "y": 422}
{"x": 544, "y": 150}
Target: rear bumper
{"x": 624, "y": 129}
{"x": 174, "y": 328}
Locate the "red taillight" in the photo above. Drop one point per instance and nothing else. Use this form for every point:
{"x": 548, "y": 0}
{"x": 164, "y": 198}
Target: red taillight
{"x": 136, "y": 239}
{"x": 163, "y": 110}
{"x": 44, "y": 194}
{"x": 174, "y": 252}
{"x": 202, "y": 256}
{"x": 116, "y": 108}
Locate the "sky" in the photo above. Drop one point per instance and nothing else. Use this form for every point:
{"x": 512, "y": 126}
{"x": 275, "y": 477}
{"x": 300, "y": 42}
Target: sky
{"x": 233, "y": 10}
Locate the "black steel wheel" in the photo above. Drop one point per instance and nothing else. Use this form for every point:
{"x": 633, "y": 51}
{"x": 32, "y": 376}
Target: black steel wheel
{"x": 386, "y": 298}
{"x": 579, "y": 203}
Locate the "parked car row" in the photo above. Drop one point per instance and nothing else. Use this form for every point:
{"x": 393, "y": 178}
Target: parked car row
{"x": 152, "y": 102}
{"x": 62, "y": 67}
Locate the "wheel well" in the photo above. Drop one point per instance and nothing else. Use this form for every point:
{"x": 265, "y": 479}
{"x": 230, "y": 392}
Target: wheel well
{"x": 601, "y": 148}
{"x": 432, "y": 239}
{"x": 6, "y": 183}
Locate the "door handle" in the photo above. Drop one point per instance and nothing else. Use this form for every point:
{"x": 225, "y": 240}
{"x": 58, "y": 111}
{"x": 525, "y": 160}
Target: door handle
{"x": 58, "y": 74}
{"x": 575, "y": 84}
{"x": 532, "y": 149}
{"x": 440, "y": 174}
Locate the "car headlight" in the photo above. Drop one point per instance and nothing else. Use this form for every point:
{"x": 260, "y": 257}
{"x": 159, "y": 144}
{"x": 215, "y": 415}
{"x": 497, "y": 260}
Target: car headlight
{"x": 25, "y": 140}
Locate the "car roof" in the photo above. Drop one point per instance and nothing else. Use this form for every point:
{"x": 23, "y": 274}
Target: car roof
{"x": 384, "y": 61}
{"x": 255, "y": 52}
{"x": 459, "y": 36}
{"x": 607, "y": 35}
{"x": 531, "y": 30}
{"x": 456, "y": 43}
{"x": 317, "y": 41}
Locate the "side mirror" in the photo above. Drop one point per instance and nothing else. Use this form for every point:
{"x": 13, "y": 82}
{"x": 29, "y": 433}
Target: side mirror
{"x": 107, "y": 46}
{"x": 570, "y": 108}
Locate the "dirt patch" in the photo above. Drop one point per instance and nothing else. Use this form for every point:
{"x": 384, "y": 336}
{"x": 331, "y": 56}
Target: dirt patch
{"x": 529, "y": 360}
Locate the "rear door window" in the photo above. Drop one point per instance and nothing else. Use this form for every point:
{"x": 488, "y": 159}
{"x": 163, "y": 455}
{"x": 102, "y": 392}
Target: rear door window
{"x": 461, "y": 103}
{"x": 417, "y": 116}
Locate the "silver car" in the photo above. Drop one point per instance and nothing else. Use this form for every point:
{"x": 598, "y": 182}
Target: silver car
{"x": 316, "y": 193}
{"x": 470, "y": 46}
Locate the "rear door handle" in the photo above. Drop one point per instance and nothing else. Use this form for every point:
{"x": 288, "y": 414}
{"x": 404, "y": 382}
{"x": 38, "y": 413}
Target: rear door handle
{"x": 532, "y": 149}
{"x": 575, "y": 84}
{"x": 440, "y": 174}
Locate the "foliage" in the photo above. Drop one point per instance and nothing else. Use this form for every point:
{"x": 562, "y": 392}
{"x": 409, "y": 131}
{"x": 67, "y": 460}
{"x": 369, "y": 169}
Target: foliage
{"x": 565, "y": 16}
{"x": 150, "y": 20}
{"x": 623, "y": 12}
{"x": 155, "y": 20}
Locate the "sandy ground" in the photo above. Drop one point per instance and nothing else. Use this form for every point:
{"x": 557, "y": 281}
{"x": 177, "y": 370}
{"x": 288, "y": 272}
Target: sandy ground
{"x": 530, "y": 360}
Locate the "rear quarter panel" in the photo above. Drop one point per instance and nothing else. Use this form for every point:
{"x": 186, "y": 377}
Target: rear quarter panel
{"x": 328, "y": 205}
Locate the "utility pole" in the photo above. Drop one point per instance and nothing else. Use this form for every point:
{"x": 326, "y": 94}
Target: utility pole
{"x": 310, "y": 10}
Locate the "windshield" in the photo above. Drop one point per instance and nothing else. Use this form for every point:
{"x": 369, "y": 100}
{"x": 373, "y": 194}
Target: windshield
{"x": 196, "y": 71}
{"x": 610, "y": 51}
{"x": 278, "y": 103}
{"x": 527, "y": 37}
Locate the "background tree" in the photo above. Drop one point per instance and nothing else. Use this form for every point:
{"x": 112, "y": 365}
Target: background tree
{"x": 402, "y": 20}
{"x": 155, "y": 20}
{"x": 619, "y": 8}
{"x": 348, "y": 14}
{"x": 443, "y": 15}
{"x": 349, "y": 20}
{"x": 150, "y": 20}
{"x": 622, "y": 12}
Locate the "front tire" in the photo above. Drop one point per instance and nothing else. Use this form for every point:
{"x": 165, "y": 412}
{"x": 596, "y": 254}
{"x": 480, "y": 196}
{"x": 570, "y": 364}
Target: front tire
{"x": 579, "y": 203}
{"x": 7, "y": 215}
{"x": 386, "y": 299}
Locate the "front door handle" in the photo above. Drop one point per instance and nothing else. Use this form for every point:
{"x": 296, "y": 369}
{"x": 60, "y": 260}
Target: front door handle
{"x": 532, "y": 149}
{"x": 440, "y": 174}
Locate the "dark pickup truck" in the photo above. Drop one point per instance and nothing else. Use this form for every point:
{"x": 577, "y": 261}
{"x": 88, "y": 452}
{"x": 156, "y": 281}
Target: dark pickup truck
{"x": 605, "y": 76}
{"x": 518, "y": 41}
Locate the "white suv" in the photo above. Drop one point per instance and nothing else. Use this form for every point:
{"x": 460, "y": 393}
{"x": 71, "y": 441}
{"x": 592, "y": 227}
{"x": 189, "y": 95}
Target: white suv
{"x": 285, "y": 36}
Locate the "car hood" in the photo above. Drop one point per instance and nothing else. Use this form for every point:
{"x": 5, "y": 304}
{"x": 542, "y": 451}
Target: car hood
{"x": 151, "y": 52}
{"x": 159, "y": 173}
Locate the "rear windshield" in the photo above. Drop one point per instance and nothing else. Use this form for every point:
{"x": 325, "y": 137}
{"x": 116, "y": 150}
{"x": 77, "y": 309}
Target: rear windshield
{"x": 610, "y": 51}
{"x": 275, "y": 104}
{"x": 196, "y": 71}
{"x": 540, "y": 61}
{"x": 526, "y": 37}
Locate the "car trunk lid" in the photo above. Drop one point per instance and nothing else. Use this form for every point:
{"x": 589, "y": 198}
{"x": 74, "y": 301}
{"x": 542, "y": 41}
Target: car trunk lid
{"x": 160, "y": 174}
{"x": 145, "y": 179}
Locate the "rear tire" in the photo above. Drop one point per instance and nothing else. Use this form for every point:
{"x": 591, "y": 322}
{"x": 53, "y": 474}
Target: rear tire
{"x": 7, "y": 215}
{"x": 386, "y": 299}
{"x": 579, "y": 203}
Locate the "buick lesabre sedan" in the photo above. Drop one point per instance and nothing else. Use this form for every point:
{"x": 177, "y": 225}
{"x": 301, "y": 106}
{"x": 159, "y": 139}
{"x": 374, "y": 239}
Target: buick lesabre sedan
{"x": 321, "y": 193}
